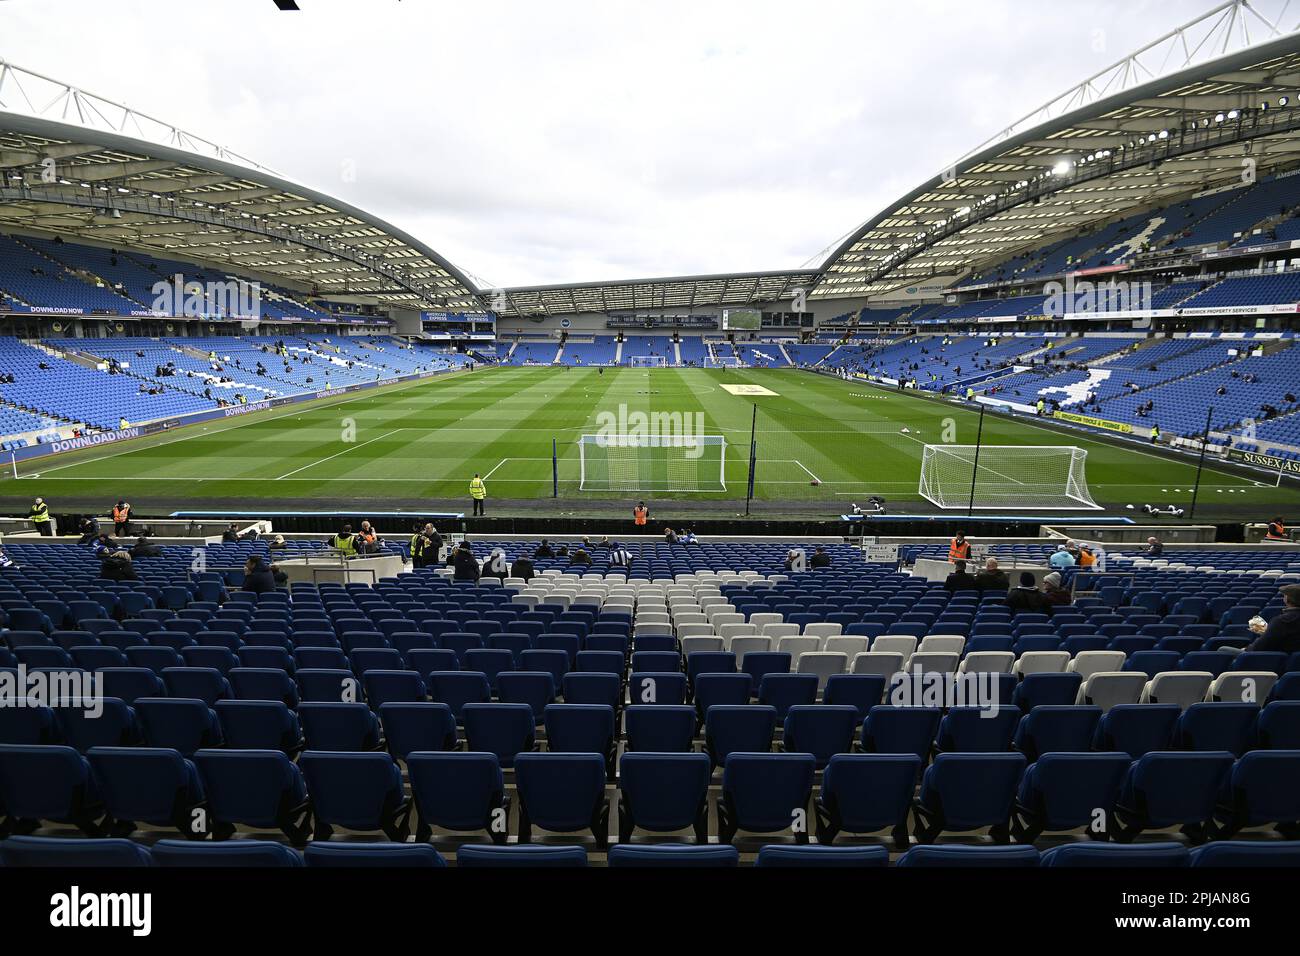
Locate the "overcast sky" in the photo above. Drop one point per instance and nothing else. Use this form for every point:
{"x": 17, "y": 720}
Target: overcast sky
{"x": 580, "y": 140}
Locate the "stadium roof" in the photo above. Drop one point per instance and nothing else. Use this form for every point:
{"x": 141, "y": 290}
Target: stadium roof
{"x": 685, "y": 292}
{"x": 175, "y": 195}
{"x": 1123, "y": 141}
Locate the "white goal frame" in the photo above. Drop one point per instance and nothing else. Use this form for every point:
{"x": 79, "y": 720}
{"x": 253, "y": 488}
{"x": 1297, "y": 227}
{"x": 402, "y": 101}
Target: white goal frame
{"x": 732, "y": 362}
{"x": 997, "y": 486}
{"x": 647, "y": 361}
{"x": 637, "y": 440}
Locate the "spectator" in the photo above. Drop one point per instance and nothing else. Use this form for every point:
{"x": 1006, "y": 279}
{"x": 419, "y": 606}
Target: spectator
{"x": 1052, "y": 590}
{"x": 7, "y": 563}
{"x": 688, "y": 537}
{"x": 1283, "y": 632}
{"x": 619, "y": 556}
{"x": 1154, "y": 548}
{"x": 544, "y": 550}
{"x": 1277, "y": 531}
{"x": 258, "y": 576}
{"x": 89, "y": 529}
{"x": 496, "y": 566}
{"x": 580, "y": 557}
{"x": 960, "y": 579}
{"x": 144, "y": 548}
{"x": 278, "y": 543}
{"x": 1026, "y": 598}
{"x": 367, "y": 539}
{"x": 992, "y": 578}
{"x": 231, "y": 534}
{"x": 116, "y": 566}
{"x": 640, "y": 515}
{"x": 463, "y": 562}
{"x": 670, "y": 536}
{"x": 522, "y": 568}
{"x": 820, "y": 558}
{"x": 1061, "y": 558}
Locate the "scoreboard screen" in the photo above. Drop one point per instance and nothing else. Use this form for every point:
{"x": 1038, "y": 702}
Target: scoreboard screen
{"x": 747, "y": 320}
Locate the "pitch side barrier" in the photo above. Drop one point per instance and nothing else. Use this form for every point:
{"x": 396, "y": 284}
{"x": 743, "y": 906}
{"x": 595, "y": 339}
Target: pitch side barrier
{"x": 101, "y": 439}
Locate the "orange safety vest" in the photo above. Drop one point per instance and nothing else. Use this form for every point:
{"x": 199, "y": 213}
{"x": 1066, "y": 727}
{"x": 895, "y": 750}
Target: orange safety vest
{"x": 640, "y": 514}
{"x": 958, "y": 551}
{"x": 119, "y": 514}
{"x": 1276, "y": 531}
{"x": 1086, "y": 558}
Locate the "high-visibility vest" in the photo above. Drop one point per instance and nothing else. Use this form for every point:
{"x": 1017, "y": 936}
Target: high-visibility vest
{"x": 477, "y": 490}
{"x": 640, "y": 514}
{"x": 1086, "y": 558}
{"x": 40, "y": 513}
{"x": 120, "y": 514}
{"x": 1277, "y": 530}
{"x": 958, "y": 551}
{"x": 345, "y": 544}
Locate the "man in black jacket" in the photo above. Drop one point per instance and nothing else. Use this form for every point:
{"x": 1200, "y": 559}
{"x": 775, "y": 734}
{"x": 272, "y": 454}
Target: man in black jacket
{"x": 522, "y": 568}
{"x": 960, "y": 579}
{"x": 992, "y": 578}
{"x": 258, "y": 576}
{"x": 144, "y": 548}
{"x": 544, "y": 550}
{"x": 465, "y": 564}
{"x": 1283, "y": 632}
{"x": 1027, "y": 598}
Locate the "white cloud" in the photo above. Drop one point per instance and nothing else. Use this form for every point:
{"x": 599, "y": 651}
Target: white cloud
{"x": 577, "y": 140}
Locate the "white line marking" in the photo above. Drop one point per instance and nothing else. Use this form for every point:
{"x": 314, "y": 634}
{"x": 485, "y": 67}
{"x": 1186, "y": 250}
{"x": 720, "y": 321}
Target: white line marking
{"x": 810, "y": 474}
{"x": 493, "y": 471}
{"x": 343, "y": 452}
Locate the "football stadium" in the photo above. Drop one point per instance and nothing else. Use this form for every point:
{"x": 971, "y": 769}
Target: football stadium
{"x": 967, "y": 543}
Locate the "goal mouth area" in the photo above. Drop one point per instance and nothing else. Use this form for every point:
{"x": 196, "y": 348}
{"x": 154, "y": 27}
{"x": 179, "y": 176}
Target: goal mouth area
{"x": 983, "y": 478}
{"x": 651, "y": 462}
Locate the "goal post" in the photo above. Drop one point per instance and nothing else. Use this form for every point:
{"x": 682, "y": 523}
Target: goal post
{"x": 652, "y": 463}
{"x": 1015, "y": 477}
{"x": 648, "y": 361}
{"x": 727, "y": 361}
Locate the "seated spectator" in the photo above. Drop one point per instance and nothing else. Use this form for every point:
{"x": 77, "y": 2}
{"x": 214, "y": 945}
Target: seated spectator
{"x": 522, "y": 568}
{"x": 144, "y": 548}
{"x": 258, "y": 576}
{"x": 117, "y": 567}
{"x": 1026, "y": 597}
{"x": 544, "y": 550}
{"x": 580, "y": 557}
{"x": 230, "y": 534}
{"x": 1061, "y": 558}
{"x": 1282, "y": 633}
{"x": 1052, "y": 590}
{"x": 670, "y": 536}
{"x": 619, "y": 556}
{"x": 278, "y": 543}
{"x": 688, "y": 537}
{"x": 7, "y": 563}
{"x": 820, "y": 558}
{"x": 465, "y": 565}
{"x": 960, "y": 579}
{"x": 367, "y": 539}
{"x": 89, "y": 529}
{"x": 992, "y": 578}
{"x": 1277, "y": 530}
{"x": 1154, "y": 547}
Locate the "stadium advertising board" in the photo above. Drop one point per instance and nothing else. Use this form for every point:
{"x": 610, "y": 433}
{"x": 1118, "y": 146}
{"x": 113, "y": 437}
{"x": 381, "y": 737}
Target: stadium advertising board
{"x": 1271, "y": 462}
{"x": 1122, "y": 427}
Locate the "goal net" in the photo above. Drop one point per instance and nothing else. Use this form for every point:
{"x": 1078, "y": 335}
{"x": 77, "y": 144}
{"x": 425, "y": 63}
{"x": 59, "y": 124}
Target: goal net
{"x": 1016, "y": 477}
{"x": 722, "y": 361}
{"x": 648, "y": 361}
{"x": 652, "y": 463}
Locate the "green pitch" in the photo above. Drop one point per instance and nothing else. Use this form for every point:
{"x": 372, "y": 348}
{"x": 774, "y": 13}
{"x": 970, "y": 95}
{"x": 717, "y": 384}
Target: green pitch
{"x": 819, "y": 440}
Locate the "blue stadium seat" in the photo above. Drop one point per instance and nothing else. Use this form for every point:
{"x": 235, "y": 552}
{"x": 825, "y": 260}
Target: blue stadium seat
{"x": 1062, "y": 791}
{"x": 961, "y": 792}
{"x": 673, "y": 855}
{"x": 562, "y": 792}
{"x": 581, "y": 728}
{"x": 864, "y": 793}
{"x": 66, "y": 852}
{"x": 259, "y": 725}
{"x": 1166, "y": 789}
{"x": 659, "y": 728}
{"x": 182, "y": 724}
{"x": 1244, "y": 853}
{"x": 458, "y": 791}
{"x": 338, "y": 727}
{"x": 379, "y": 855}
{"x": 502, "y": 729}
{"x": 1050, "y": 728}
{"x": 822, "y": 856}
{"x": 357, "y": 791}
{"x": 765, "y": 793}
{"x": 1279, "y": 725}
{"x": 235, "y": 853}
{"x": 48, "y": 783}
{"x": 1217, "y": 725}
{"x": 1136, "y": 729}
{"x": 521, "y": 856}
{"x": 1106, "y": 855}
{"x": 147, "y": 784}
{"x": 822, "y": 730}
{"x": 663, "y": 792}
{"x": 262, "y": 789}
{"x": 417, "y": 726}
{"x": 1264, "y": 788}
{"x": 960, "y": 856}
{"x": 748, "y": 729}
